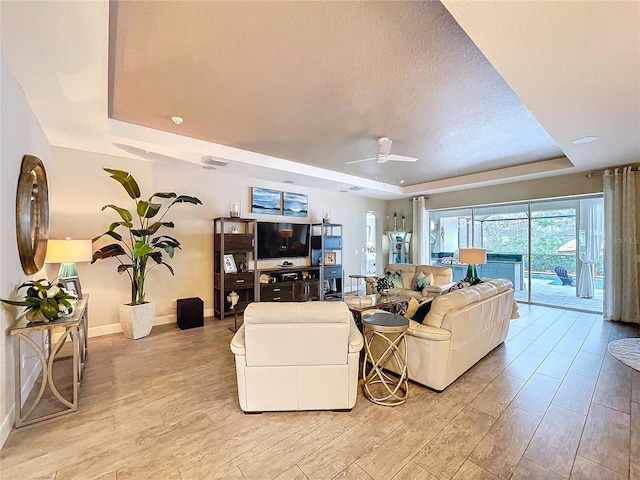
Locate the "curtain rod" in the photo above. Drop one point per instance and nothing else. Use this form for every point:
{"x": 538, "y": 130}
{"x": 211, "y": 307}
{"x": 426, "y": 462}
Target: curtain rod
{"x": 596, "y": 174}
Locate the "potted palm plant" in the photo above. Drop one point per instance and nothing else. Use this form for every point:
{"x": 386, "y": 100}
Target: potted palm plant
{"x": 139, "y": 244}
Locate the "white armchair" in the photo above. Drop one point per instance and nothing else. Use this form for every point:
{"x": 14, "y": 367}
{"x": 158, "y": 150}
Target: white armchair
{"x": 297, "y": 356}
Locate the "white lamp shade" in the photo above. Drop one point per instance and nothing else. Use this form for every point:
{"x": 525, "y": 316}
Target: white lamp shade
{"x": 68, "y": 251}
{"x": 473, "y": 256}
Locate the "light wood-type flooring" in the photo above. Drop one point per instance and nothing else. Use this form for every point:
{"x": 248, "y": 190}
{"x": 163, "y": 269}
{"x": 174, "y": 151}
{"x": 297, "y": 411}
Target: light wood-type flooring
{"x": 551, "y": 403}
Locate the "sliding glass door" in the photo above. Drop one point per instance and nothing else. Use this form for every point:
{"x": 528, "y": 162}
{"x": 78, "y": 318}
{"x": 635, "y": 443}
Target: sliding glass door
{"x": 504, "y": 232}
{"x": 551, "y": 250}
{"x": 553, "y": 253}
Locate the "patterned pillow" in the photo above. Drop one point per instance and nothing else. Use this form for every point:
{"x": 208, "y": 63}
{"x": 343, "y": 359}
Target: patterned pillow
{"x": 422, "y": 281}
{"x": 422, "y": 311}
{"x": 395, "y": 278}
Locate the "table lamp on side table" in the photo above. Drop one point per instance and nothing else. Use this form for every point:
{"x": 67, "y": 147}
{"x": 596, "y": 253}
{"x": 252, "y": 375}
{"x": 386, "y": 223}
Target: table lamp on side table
{"x": 67, "y": 253}
{"x": 473, "y": 257}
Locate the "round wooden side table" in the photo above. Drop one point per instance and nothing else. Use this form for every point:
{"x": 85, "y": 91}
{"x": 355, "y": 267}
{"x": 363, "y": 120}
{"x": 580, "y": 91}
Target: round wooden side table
{"x": 385, "y": 342}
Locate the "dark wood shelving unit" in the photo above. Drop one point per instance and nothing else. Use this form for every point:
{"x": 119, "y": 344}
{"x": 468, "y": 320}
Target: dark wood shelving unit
{"x": 237, "y": 237}
{"x": 294, "y": 284}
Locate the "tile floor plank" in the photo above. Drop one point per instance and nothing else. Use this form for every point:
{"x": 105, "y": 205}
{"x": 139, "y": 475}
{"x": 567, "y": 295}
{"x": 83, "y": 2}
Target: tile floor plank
{"x": 555, "y": 443}
{"x": 605, "y": 439}
{"x": 498, "y": 394}
{"x": 446, "y": 453}
{"x": 585, "y": 469}
{"x": 613, "y": 391}
{"x": 294, "y": 473}
{"x": 179, "y": 418}
{"x": 502, "y": 447}
{"x": 537, "y": 394}
{"x": 413, "y": 471}
{"x": 528, "y": 470}
{"x": 634, "y": 443}
{"x": 575, "y": 393}
{"x": 471, "y": 471}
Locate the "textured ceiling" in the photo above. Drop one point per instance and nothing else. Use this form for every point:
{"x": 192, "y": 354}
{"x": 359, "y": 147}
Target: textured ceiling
{"x": 318, "y": 82}
{"x": 311, "y": 85}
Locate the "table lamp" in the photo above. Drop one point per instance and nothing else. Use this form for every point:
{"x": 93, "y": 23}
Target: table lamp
{"x": 67, "y": 253}
{"x": 473, "y": 257}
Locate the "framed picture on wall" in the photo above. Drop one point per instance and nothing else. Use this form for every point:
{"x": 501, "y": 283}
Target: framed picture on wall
{"x": 295, "y": 204}
{"x": 267, "y": 201}
{"x": 230, "y": 264}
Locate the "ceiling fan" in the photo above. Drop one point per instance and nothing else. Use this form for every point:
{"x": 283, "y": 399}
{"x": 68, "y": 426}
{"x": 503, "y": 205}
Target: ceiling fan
{"x": 384, "y": 154}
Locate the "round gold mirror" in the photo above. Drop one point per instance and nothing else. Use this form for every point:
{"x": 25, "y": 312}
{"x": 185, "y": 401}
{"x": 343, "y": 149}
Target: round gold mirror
{"x": 32, "y": 214}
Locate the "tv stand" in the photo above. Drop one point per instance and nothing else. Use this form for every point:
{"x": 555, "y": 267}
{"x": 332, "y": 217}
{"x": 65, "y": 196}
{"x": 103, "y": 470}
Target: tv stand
{"x": 292, "y": 284}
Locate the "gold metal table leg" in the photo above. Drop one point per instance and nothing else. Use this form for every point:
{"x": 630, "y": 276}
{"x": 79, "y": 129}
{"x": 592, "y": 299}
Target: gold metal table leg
{"x": 394, "y": 390}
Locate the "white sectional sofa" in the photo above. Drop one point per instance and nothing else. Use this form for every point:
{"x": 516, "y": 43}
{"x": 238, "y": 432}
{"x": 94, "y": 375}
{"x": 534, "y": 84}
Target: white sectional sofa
{"x": 461, "y": 328}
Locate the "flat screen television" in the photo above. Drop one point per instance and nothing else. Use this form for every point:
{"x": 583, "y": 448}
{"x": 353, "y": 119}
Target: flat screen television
{"x": 279, "y": 240}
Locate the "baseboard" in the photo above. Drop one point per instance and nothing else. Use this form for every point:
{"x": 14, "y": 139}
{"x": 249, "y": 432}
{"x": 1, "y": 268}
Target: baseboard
{"x": 7, "y": 425}
{"x": 116, "y": 328}
{"x": 9, "y": 420}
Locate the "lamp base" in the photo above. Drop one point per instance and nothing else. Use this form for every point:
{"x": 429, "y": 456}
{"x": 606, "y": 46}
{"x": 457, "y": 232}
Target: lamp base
{"x": 67, "y": 270}
{"x": 472, "y": 273}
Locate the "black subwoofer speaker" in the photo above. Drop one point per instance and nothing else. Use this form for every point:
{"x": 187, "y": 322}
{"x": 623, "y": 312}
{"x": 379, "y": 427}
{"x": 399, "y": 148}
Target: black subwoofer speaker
{"x": 190, "y": 312}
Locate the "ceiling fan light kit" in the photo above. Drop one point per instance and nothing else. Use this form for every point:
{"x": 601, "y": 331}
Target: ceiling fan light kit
{"x": 384, "y": 155}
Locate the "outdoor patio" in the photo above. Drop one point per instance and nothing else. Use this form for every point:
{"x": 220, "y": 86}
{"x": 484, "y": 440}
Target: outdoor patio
{"x": 559, "y": 295}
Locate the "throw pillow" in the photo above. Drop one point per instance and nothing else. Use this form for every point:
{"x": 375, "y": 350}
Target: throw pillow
{"x": 422, "y": 281}
{"x": 395, "y": 278}
{"x": 458, "y": 286}
{"x": 412, "y": 308}
{"x": 422, "y": 311}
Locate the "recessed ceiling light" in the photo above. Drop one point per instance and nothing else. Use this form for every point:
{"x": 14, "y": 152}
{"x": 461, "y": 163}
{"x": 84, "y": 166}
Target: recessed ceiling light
{"x": 177, "y": 120}
{"x": 580, "y": 141}
{"x": 400, "y": 181}
{"x": 289, "y": 181}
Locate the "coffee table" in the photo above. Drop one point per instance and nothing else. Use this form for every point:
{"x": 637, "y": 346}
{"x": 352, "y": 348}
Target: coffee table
{"x": 390, "y": 303}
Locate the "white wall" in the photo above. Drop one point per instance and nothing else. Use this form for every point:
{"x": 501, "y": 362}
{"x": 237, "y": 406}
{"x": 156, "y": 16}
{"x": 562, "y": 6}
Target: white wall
{"x": 80, "y": 193}
{"x": 20, "y": 134}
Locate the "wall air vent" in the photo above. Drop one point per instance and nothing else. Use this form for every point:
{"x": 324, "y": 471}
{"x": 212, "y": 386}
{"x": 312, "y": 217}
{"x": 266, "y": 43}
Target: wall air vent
{"x": 215, "y": 162}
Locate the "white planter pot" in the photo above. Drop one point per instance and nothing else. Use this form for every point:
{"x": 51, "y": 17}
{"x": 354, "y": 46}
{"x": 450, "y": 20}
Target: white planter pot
{"x": 137, "y": 320}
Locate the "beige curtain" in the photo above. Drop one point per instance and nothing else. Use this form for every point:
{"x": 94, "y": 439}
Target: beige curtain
{"x": 620, "y": 271}
{"x": 420, "y": 232}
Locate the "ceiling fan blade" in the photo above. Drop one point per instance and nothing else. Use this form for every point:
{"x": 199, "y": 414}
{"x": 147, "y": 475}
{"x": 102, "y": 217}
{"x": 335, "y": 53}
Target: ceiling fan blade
{"x": 359, "y": 161}
{"x": 385, "y": 146}
{"x": 402, "y": 158}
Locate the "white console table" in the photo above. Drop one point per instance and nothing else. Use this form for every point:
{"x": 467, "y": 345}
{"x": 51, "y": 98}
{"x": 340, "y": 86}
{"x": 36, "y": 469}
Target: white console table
{"x": 74, "y": 329}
